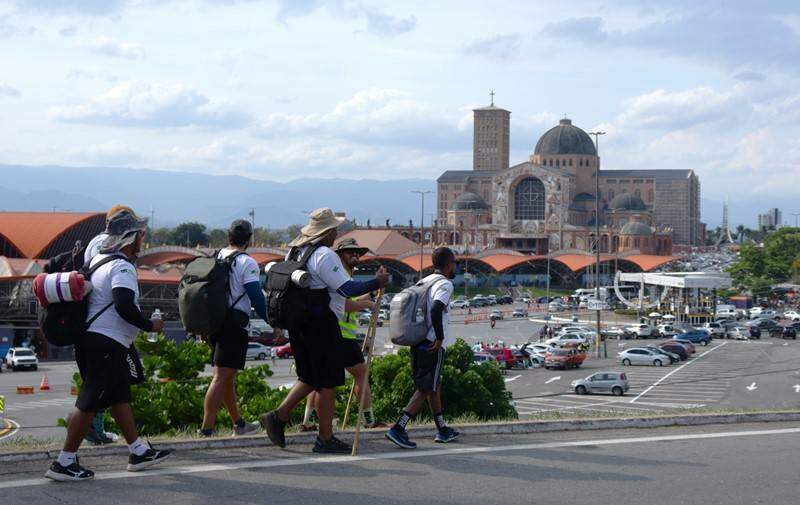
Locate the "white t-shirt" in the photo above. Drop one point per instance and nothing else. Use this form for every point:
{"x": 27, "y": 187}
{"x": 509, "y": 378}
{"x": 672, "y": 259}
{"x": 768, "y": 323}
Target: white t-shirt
{"x": 114, "y": 274}
{"x": 244, "y": 270}
{"x": 327, "y": 271}
{"x": 441, "y": 291}
{"x": 93, "y": 247}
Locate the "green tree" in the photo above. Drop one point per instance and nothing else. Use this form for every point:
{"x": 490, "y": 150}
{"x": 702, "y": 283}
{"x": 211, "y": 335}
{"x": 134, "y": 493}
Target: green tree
{"x": 217, "y": 238}
{"x": 758, "y": 267}
{"x": 266, "y": 237}
{"x": 159, "y": 236}
{"x": 190, "y": 234}
{"x": 292, "y": 231}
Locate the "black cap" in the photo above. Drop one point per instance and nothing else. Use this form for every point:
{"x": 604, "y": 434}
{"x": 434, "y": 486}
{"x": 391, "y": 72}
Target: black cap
{"x": 241, "y": 227}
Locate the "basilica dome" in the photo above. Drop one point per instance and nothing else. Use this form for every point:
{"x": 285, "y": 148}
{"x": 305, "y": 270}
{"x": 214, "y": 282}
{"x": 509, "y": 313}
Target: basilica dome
{"x": 627, "y": 201}
{"x": 469, "y": 201}
{"x": 635, "y": 228}
{"x": 565, "y": 139}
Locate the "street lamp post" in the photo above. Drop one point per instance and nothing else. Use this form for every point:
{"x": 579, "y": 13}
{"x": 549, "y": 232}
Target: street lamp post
{"x": 597, "y": 239}
{"x": 795, "y": 218}
{"x": 421, "y": 229}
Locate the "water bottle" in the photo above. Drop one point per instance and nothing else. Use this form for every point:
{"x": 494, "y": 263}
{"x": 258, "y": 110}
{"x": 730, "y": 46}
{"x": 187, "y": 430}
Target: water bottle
{"x": 153, "y": 336}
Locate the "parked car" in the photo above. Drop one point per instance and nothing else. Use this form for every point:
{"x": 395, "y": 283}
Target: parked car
{"x": 715, "y": 329}
{"x": 754, "y": 312}
{"x": 791, "y": 315}
{"x": 556, "y": 306}
{"x": 726, "y": 314}
{"x": 676, "y": 348}
{"x": 667, "y": 330}
{"x": 566, "y": 340}
{"x": 18, "y": 358}
{"x": 695, "y": 336}
{"x": 564, "y": 358}
{"x": 642, "y": 331}
{"x": 615, "y": 383}
{"x": 458, "y": 304}
{"x": 503, "y": 355}
{"x": 482, "y": 357}
{"x": 613, "y": 332}
{"x": 519, "y": 313}
{"x": 496, "y": 315}
{"x": 783, "y": 332}
{"x": 505, "y": 300}
{"x": 641, "y": 356}
{"x": 284, "y": 351}
{"x": 258, "y": 351}
{"x": 673, "y": 358}
{"x": 762, "y": 324}
{"x": 686, "y": 343}
{"x": 738, "y": 333}
{"x": 768, "y": 314}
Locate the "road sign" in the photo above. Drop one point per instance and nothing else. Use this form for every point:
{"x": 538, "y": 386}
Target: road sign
{"x": 594, "y": 305}
{"x": 2, "y": 404}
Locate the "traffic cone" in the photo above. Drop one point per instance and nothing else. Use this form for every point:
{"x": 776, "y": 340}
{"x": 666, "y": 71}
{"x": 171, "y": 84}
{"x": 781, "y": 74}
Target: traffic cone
{"x": 45, "y": 385}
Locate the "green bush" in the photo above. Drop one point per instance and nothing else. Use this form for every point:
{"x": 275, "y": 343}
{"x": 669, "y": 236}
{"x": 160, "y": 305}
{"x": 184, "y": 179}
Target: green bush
{"x": 171, "y": 399}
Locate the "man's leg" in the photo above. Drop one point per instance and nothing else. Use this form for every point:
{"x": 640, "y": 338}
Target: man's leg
{"x": 123, "y": 416}
{"x": 213, "y": 401}
{"x": 326, "y": 399}
{"x": 79, "y": 423}
{"x": 311, "y": 401}
{"x": 299, "y": 391}
{"x": 227, "y": 378}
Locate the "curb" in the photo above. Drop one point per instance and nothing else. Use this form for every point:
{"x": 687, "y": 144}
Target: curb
{"x": 504, "y": 428}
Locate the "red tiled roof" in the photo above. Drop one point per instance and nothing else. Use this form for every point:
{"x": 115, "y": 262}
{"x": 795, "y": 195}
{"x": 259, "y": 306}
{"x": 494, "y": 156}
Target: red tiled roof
{"x": 502, "y": 262}
{"x": 648, "y": 262}
{"x": 413, "y": 261}
{"x": 170, "y": 276}
{"x": 264, "y": 258}
{"x": 576, "y": 262}
{"x": 163, "y": 258}
{"x": 382, "y": 242}
{"x": 32, "y": 232}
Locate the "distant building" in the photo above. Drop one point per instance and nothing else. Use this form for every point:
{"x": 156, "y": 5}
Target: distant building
{"x": 770, "y": 220}
{"x": 548, "y": 202}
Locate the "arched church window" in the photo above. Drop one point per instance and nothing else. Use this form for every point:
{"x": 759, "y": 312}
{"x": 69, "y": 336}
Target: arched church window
{"x": 580, "y": 162}
{"x": 570, "y": 162}
{"x": 529, "y": 199}
{"x": 558, "y": 163}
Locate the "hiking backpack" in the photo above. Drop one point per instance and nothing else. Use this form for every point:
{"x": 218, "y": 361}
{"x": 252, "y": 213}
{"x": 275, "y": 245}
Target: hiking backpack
{"x": 62, "y": 312}
{"x": 203, "y": 294}
{"x": 408, "y": 313}
{"x": 287, "y": 301}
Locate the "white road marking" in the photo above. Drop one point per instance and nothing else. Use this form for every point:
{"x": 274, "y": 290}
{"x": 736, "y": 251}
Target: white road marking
{"x": 796, "y": 388}
{"x": 395, "y": 455}
{"x": 662, "y": 379}
{"x": 548, "y": 381}
{"x": 511, "y": 379}
{"x": 14, "y": 429}
{"x": 752, "y": 387}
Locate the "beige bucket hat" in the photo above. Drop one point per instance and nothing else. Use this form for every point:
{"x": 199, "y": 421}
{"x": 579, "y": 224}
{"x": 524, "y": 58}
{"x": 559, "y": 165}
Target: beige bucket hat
{"x": 319, "y": 222}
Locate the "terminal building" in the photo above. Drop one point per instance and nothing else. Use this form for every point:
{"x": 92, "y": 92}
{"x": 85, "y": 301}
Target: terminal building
{"x": 547, "y": 203}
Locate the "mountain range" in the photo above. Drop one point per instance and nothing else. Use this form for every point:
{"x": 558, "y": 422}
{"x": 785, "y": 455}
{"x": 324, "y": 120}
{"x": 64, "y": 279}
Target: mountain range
{"x": 215, "y": 200}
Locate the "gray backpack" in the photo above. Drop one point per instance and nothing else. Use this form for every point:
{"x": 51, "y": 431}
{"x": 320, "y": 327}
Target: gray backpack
{"x": 408, "y": 314}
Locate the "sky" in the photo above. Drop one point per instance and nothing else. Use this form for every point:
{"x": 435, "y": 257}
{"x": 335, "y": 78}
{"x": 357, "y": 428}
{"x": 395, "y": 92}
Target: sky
{"x": 283, "y": 89}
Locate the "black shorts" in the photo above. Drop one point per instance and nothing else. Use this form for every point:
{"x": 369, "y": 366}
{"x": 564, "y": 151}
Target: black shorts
{"x": 103, "y": 365}
{"x": 351, "y": 353}
{"x": 426, "y": 367}
{"x": 317, "y": 346}
{"x": 229, "y": 345}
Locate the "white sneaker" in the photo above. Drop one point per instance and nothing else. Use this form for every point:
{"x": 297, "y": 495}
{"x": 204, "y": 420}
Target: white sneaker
{"x": 247, "y": 429}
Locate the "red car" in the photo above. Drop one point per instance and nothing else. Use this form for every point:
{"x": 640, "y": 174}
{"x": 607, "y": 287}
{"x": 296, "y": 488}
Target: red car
{"x": 284, "y": 351}
{"x": 504, "y": 356}
{"x": 564, "y": 358}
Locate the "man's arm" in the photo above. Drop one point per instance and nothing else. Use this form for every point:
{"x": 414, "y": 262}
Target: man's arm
{"x": 257, "y": 300}
{"x": 125, "y": 305}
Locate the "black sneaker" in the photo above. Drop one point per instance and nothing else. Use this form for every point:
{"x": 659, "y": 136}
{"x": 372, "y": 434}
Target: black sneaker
{"x": 93, "y": 437}
{"x": 72, "y": 473}
{"x": 445, "y": 435}
{"x": 332, "y": 446}
{"x": 274, "y": 428}
{"x": 149, "y": 458}
{"x": 400, "y": 438}
{"x": 205, "y": 434}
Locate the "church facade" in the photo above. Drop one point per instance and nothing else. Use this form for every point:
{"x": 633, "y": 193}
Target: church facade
{"x": 548, "y": 202}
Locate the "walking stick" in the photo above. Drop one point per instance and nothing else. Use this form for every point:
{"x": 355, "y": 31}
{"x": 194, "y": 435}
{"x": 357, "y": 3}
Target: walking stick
{"x": 363, "y": 398}
{"x": 371, "y": 330}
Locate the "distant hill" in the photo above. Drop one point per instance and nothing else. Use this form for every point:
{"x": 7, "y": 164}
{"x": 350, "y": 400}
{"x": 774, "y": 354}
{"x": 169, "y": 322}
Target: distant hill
{"x": 209, "y": 199}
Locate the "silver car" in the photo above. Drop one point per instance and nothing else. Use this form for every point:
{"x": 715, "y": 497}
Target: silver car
{"x": 258, "y": 351}
{"x": 615, "y": 383}
{"x": 642, "y": 356}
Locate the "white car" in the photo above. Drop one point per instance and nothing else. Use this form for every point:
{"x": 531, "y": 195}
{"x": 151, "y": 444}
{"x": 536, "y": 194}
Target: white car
{"x": 714, "y": 329}
{"x": 642, "y": 356}
{"x": 21, "y": 357}
{"x": 258, "y": 351}
{"x": 726, "y": 314}
{"x": 755, "y": 312}
{"x": 556, "y": 307}
{"x": 574, "y": 329}
{"x": 458, "y": 304}
{"x": 667, "y": 330}
{"x": 567, "y": 339}
{"x": 738, "y": 333}
{"x": 642, "y": 330}
{"x": 792, "y": 315}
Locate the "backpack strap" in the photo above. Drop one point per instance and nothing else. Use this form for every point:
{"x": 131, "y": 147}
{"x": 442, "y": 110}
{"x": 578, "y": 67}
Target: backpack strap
{"x": 307, "y": 255}
{"x": 229, "y": 262}
{"x": 88, "y": 275}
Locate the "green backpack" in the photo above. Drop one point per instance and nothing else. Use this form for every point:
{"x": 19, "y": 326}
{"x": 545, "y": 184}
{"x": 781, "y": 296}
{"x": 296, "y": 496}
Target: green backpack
{"x": 203, "y": 294}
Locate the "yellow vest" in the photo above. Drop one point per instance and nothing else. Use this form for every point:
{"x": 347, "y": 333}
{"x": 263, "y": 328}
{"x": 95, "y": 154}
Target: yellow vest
{"x": 349, "y": 326}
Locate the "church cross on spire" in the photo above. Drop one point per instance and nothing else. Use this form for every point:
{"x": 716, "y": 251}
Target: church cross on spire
{"x": 492, "y": 95}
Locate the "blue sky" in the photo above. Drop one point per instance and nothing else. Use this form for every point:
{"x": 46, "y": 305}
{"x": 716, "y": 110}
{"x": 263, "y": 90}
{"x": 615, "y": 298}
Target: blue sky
{"x": 286, "y": 89}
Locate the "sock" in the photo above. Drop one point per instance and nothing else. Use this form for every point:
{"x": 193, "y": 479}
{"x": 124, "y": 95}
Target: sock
{"x": 405, "y": 418}
{"x": 66, "y": 458}
{"x": 369, "y": 416}
{"x": 439, "y": 420}
{"x": 138, "y": 447}
{"x": 239, "y": 423}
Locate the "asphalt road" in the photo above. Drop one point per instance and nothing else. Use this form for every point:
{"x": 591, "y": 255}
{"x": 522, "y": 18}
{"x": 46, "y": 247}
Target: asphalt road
{"x": 731, "y": 464}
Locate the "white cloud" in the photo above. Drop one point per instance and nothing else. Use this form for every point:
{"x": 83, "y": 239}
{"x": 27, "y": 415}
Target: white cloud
{"x": 662, "y": 109}
{"x": 379, "y": 23}
{"x": 6, "y": 90}
{"x": 499, "y": 47}
{"x": 113, "y": 49}
{"x": 154, "y": 106}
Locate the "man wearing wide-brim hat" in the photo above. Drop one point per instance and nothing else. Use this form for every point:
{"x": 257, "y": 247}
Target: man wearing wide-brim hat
{"x": 317, "y": 344}
{"x": 113, "y": 319}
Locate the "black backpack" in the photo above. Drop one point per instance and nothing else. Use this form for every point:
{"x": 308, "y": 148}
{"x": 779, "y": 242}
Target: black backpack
{"x": 65, "y": 323}
{"x": 288, "y": 303}
{"x": 203, "y": 294}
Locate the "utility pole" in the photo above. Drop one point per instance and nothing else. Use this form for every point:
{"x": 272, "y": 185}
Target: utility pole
{"x": 421, "y": 229}
{"x": 795, "y": 218}
{"x": 597, "y": 239}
